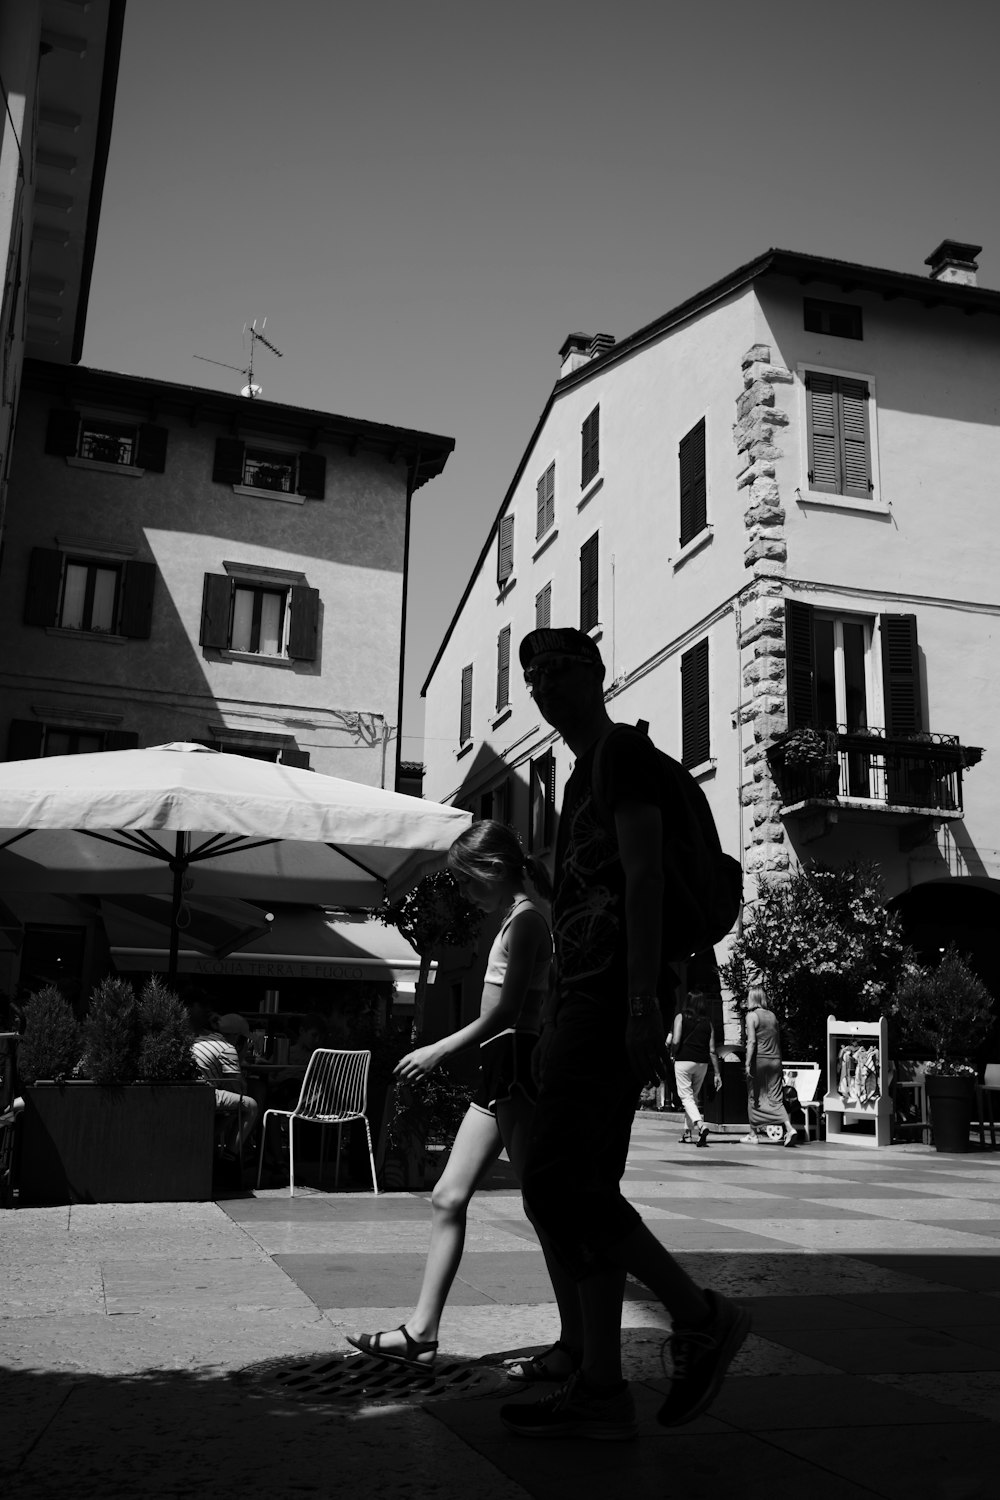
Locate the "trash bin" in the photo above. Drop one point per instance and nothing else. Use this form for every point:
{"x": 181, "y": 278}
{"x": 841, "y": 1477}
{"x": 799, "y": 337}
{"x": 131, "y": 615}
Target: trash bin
{"x": 728, "y": 1105}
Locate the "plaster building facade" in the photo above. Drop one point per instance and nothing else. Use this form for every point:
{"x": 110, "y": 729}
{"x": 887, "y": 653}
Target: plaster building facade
{"x": 59, "y": 66}
{"x": 182, "y": 564}
{"x": 773, "y": 508}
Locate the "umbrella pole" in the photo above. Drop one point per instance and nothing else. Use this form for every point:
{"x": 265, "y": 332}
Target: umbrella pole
{"x": 177, "y": 866}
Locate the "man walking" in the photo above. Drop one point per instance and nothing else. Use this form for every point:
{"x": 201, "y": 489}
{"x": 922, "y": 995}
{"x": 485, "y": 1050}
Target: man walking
{"x": 603, "y": 1038}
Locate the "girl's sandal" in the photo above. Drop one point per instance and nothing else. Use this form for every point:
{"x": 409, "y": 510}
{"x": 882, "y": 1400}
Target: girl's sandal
{"x": 413, "y": 1356}
{"x": 530, "y": 1369}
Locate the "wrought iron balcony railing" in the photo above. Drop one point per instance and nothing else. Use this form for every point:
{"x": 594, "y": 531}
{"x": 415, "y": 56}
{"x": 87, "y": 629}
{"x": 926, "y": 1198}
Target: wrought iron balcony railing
{"x": 917, "y": 771}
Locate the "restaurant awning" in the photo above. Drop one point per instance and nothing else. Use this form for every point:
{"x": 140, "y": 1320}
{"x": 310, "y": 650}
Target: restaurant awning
{"x": 298, "y": 943}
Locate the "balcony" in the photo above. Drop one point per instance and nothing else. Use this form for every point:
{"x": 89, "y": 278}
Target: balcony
{"x": 906, "y": 779}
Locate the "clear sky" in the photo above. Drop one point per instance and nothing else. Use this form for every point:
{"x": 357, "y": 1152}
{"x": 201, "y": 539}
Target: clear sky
{"x": 424, "y": 197}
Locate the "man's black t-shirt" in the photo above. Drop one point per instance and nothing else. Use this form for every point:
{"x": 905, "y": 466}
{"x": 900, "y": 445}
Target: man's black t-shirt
{"x": 588, "y": 907}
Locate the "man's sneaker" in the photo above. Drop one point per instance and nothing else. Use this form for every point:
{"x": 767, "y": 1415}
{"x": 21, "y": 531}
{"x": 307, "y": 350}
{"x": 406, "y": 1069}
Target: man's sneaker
{"x": 573, "y": 1411}
{"x": 701, "y": 1357}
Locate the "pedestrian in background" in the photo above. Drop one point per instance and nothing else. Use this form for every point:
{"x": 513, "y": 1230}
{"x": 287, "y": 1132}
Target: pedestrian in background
{"x": 693, "y": 1047}
{"x": 765, "y": 1076}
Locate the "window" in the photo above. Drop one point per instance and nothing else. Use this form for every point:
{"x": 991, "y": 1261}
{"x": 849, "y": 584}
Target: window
{"x": 546, "y": 502}
{"x": 588, "y": 583}
{"x": 833, "y": 679}
{"x": 840, "y": 320}
{"x": 691, "y": 457}
{"x": 495, "y": 802}
{"x": 503, "y": 668}
{"x": 543, "y": 608}
{"x": 695, "y": 741}
{"x": 258, "y": 620}
{"x": 590, "y": 447}
{"x": 542, "y": 805}
{"x": 94, "y": 595}
{"x": 505, "y": 550}
{"x": 839, "y": 439}
{"x": 465, "y": 720}
{"x": 278, "y": 471}
{"x": 28, "y": 740}
{"x": 261, "y": 616}
{"x": 106, "y": 440}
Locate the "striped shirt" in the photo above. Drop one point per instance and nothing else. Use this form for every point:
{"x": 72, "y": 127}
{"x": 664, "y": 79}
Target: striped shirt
{"x": 217, "y": 1062}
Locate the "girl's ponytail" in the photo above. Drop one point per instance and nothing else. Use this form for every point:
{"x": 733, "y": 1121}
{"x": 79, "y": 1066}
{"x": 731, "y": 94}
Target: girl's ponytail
{"x": 539, "y": 876}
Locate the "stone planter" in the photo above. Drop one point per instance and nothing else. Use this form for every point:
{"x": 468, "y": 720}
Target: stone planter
{"x": 951, "y": 1101}
{"x": 144, "y": 1143}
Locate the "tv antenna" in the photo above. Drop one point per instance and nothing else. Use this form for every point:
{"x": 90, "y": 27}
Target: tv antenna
{"x": 256, "y": 337}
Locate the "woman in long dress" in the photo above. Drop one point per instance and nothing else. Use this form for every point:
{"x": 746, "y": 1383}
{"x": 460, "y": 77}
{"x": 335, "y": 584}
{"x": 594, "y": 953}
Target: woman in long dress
{"x": 765, "y": 1097}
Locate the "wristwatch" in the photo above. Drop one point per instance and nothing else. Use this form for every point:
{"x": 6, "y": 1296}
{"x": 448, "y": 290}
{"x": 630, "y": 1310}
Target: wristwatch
{"x": 643, "y": 1005}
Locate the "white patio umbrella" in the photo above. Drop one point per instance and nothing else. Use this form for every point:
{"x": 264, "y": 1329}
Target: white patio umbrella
{"x": 182, "y": 819}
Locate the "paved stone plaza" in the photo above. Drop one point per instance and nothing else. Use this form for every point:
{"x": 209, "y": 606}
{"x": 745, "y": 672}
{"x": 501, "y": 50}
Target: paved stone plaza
{"x": 177, "y": 1349}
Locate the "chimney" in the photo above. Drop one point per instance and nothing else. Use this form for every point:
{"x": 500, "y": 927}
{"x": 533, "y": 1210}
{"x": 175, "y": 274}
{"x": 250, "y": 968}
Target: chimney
{"x": 600, "y": 344}
{"x": 574, "y": 353}
{"x": 954, "y": 261}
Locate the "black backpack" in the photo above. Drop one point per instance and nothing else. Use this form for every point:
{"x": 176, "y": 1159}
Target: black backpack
{"x": 702, "y": 886}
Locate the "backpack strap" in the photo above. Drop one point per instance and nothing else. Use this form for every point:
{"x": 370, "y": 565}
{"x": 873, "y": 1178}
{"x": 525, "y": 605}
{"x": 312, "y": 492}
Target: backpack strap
{"x": 601, "y": 809}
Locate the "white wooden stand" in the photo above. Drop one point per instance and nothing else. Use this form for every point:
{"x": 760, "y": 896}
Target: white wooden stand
{"x": 878, "y": 1110}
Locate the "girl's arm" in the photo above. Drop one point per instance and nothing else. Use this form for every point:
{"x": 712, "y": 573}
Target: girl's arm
{"x": 527, "y": 936}
{"x": 715, "y": 1057}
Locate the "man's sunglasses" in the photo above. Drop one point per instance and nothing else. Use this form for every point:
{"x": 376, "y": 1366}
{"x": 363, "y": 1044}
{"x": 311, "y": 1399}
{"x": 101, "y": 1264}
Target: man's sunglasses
{"x": 553, "y": 666}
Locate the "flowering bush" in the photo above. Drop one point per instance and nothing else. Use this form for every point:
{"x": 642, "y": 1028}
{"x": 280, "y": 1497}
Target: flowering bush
{"x": 805, "y": 747}
{"x": 824, "y": 943}
{"x": 945, "y": 1067}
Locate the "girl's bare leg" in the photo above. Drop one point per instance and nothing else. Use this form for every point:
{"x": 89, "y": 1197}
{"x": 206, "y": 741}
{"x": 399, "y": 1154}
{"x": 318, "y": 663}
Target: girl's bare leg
{"x": 477, "y": 1146}
{"x": 514, "y": 1116}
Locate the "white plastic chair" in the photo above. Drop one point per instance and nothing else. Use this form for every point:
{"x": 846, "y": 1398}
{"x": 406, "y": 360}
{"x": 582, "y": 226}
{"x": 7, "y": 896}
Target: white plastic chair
{"x": 984, "y": 1094}
{"x": 334, "y": 1092}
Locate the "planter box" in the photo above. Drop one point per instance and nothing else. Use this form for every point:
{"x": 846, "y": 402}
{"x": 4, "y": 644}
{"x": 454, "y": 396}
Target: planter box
{"x": 145, "y": 1143}
{"x": 951, "y": 1100}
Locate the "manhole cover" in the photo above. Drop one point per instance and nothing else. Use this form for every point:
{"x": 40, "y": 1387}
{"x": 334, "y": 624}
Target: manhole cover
{"x": 363, "y": 1380}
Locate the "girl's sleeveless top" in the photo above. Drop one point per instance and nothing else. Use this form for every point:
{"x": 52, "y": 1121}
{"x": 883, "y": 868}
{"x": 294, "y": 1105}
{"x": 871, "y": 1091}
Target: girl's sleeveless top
{"x": 496, "y": 968}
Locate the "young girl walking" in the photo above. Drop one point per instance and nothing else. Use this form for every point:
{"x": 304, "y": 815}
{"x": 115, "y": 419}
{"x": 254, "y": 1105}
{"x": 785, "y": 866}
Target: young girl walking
{"x": 492, "y": 872}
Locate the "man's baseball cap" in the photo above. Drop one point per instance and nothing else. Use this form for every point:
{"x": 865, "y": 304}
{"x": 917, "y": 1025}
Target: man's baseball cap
{"x": 560, "y": 642}
{"x": 234, "y": 1025}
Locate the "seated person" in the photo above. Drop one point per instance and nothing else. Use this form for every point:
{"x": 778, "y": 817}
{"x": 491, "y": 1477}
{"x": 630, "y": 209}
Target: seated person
{"x": 312, "y": 1034}
{"x": 218, "y": 1063}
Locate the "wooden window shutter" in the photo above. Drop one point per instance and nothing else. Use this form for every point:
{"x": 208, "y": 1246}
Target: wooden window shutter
{"x": 588, "y": 583}
{"x": 691, "y": 455}
{"x": 543, "y": 608}
{"x": 901, "y": 674}
{"x": 695, "y": 741}
{"x": 24, "y": 739}
{"x": 824, "y": 437}
{"x": 216, "y": 605}
{"x": 503, "y": 668}
{"x": 41, "y": 604}
{"x": 800, "y": 664}
{"x": 312, "y": 476}
{"x": 62, "y": 434}
{"x": 465, "y": 721}
{"x": 292, "y": 756}
{"x": 590, "y": 447}
{"x": 546, "y": 501}
{"x": 228, "y": 465}
{"x": 855, "y": 453}
{"x": 152, "y": 448}
{"x": 505, "y": 549}
{"x": 121, "y": 739}
{"x": 303, "y": 630}
{"x": 138, "y": 584}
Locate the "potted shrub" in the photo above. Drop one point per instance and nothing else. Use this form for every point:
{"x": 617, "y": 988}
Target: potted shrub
{"x": 114, "y": 1112}
{"x": 805, "y": 763}
{"x": 948, "y": 1010}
